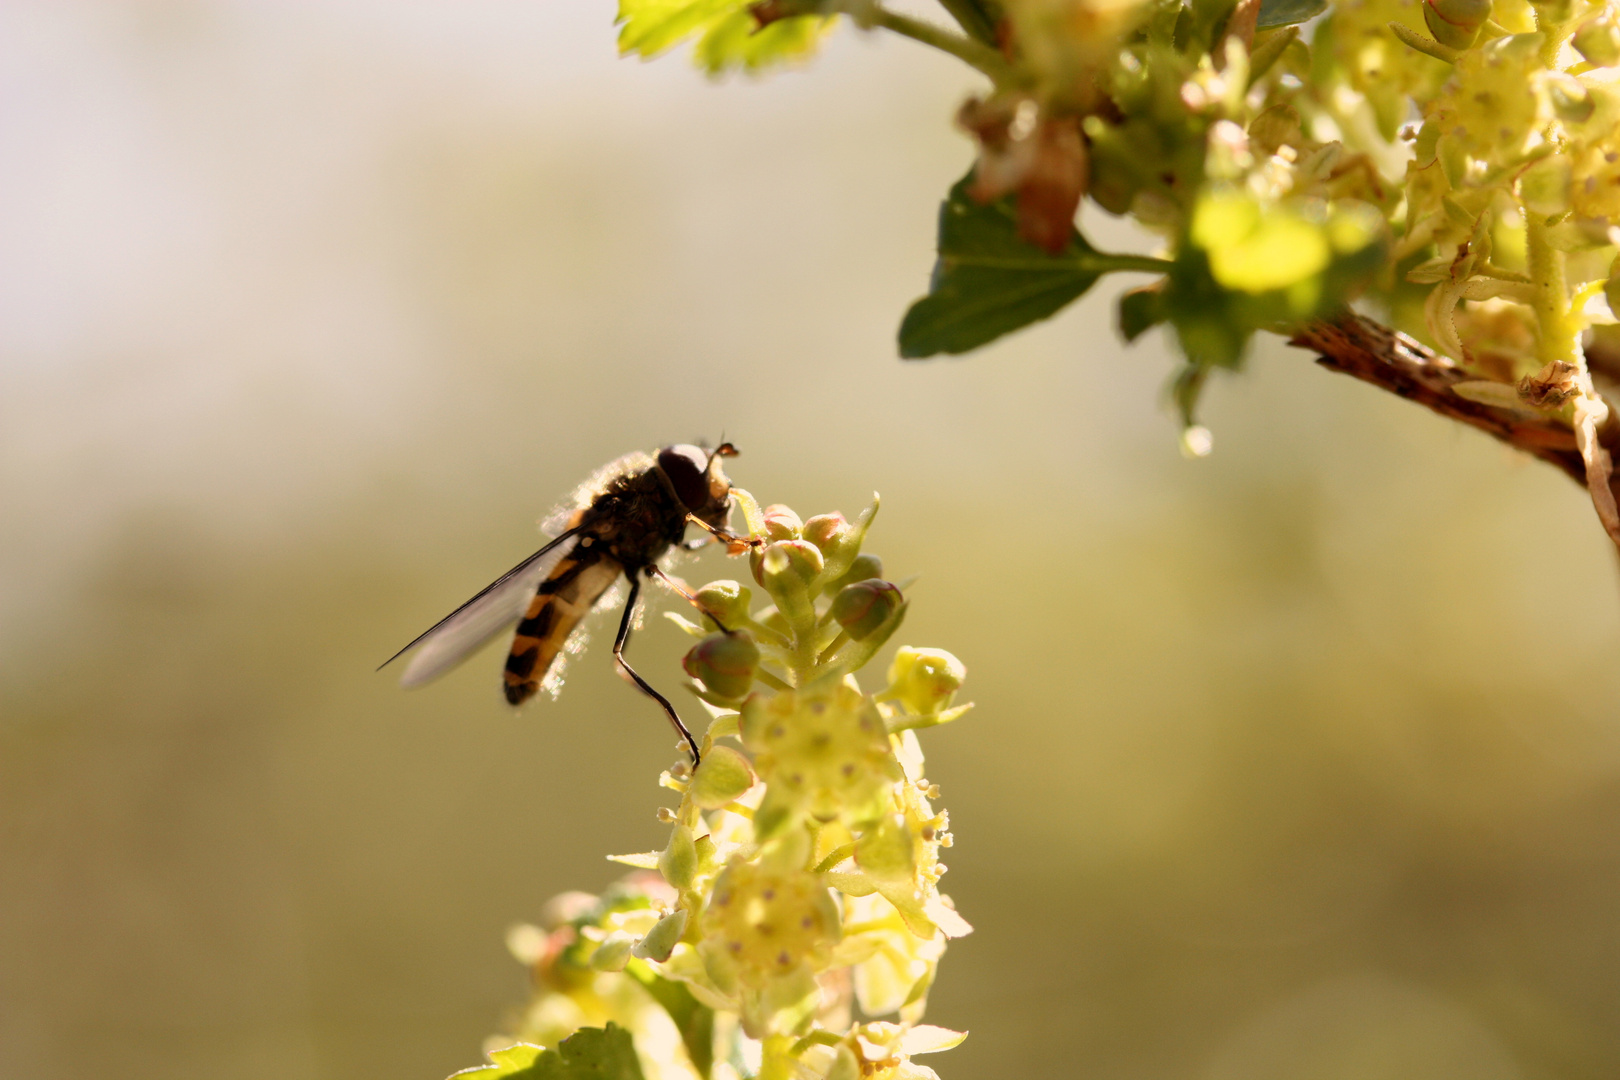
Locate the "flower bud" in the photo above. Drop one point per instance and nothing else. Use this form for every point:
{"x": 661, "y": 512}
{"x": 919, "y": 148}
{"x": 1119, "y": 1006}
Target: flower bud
{"x": 723, "y": 775}
{"x": 835, "y": 537}
{"x": 865, "y": 566}
{"x": 726, "y": 600}
{"x": 724, "y": 663}
{"x": 1599, "y": 41}
{"x": 864, "y": 606}
{"x": 786, "y": 568}
{"x": 781, "y": 523}
{"x": 1456, "y": 23}
{"x": 925, "y": 680}
{"x": 803, "y": 560}
{"x": 662, "y": 938}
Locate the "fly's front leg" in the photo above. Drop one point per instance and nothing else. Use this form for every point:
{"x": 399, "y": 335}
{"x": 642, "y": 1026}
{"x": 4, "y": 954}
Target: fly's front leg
{"x": 735, "y": 545}
{"x": 641, "y": 684}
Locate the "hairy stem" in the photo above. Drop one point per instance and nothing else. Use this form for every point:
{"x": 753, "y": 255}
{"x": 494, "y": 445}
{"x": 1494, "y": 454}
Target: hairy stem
{"x": 1550, "y": 296}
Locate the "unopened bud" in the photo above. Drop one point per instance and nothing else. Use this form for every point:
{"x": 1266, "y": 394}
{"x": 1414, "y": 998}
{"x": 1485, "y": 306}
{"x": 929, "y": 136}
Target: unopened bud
{"x": 724, "y": 663}
{"x": 925, "y": 680}
{"x": 662, "y": 938}
{"x": 864, "y": 606}
{"x": 1455, "y": 23}
{"x": 1599, "y": 41}
{"x": 781, "y": 523}
{"x": 727, "y": 601}
{"x": 724, "y": 775}
{"x": 832, "y": 535}
{"x": 865, "y": 566}
{"x": 789, "y": 563}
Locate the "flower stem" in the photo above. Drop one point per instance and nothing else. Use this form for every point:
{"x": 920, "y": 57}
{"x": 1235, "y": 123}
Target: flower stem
{"x": 970, "y": 52}
{"x": 1551, "y": 296}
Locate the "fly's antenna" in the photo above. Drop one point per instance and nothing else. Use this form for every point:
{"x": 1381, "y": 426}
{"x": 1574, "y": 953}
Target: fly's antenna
{"x": 725, "y": 449}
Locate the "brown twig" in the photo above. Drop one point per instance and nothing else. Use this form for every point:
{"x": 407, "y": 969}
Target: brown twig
{"x": 1374, "y": 353}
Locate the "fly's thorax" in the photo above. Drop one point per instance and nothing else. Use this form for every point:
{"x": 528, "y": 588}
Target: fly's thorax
{"x": 634, "y": 521}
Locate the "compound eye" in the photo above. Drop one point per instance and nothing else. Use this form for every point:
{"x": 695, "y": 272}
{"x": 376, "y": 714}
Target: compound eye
{"x": 687, "y": 468}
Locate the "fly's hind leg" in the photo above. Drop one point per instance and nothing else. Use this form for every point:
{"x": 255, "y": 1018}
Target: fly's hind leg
{"x": 642, "y": 684}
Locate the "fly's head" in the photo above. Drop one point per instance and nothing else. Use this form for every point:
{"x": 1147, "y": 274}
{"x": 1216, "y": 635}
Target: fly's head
{"x": 699, "y": 482}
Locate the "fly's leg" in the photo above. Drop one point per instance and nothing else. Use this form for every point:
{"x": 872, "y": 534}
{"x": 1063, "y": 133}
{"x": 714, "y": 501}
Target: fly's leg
{"x": 735, "y": 545}
{"x": 641, "y": 684}
{"x": 679, "y": 588}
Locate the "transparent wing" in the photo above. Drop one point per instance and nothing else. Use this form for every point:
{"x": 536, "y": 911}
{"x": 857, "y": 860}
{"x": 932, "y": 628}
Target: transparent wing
{"x": 500, "y": 604}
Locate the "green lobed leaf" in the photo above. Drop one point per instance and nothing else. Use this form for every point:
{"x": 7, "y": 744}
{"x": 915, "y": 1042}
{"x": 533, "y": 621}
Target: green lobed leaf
{"x": 587, "y": 1054}
{"x": 988, "y": 282}
{"x": 728, "y": 36}
{"x": 1288, "y": 12}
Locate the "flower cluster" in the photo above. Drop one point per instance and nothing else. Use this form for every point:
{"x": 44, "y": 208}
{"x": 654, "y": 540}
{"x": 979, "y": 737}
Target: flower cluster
{"x": 793, "y": 924}
{"x": 1455, "y": 163}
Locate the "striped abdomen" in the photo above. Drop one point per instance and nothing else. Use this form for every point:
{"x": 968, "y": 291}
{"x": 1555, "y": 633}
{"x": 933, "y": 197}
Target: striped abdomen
{"x": 564, "y": 598}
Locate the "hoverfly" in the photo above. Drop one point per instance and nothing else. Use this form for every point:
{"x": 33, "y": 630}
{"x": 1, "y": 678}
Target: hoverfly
{"x": 619, "y": 522}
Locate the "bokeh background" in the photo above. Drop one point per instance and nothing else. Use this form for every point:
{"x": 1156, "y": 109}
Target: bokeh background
{"x": 1301, "y": 761}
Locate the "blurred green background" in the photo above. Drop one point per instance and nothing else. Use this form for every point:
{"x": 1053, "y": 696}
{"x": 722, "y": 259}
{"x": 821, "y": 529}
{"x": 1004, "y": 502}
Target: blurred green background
{"x": 1301, "y": 761}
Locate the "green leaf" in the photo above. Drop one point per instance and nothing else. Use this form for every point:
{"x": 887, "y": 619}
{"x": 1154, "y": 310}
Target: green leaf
{"x": 728, "y": 36}
{"x": 587, "y": 1054}
{"x": 1288, "y": 12}
{"x": 693, "y": 1019}
{"x": 988, "y": 282}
